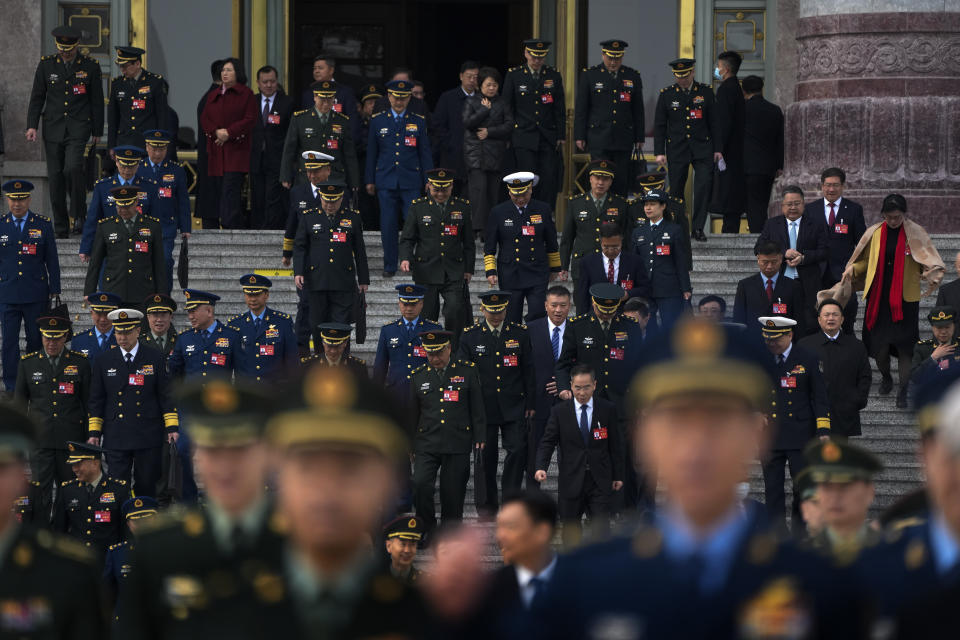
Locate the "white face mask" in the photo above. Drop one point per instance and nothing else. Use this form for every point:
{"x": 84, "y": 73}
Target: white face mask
{"x": 717, "y": 74}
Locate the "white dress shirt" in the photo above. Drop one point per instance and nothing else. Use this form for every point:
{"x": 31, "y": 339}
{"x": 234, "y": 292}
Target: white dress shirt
{"x": 589, "y": 407}
{"x": 264, "y": 101}
{"x": 524, "y": 576}
{"x": 616, "y": 267}
{"x": 826, "y": 210}
{"x": 136, "y": 348}
{"x": 551, "y": 327}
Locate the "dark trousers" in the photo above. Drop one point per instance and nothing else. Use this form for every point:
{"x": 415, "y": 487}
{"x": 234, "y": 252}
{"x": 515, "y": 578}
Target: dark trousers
{"x": 11, "y": 316}
{"x": 301, "y": 324}
{"x": 454, "y": 471}
{"x": 543, "y": 161}
{"x": 538, "y": 427}
{"x": 514, "y": 436}
{"x": 269, "y": 201}
{"x": 50, "y": 469}
{"x": 144, "y": 463}
{"x": 65, "y": 171}
{"x": 329, "y": 306}
{"x": 621, "y": 159}
{"x": 229, "y": 188}
{"x": 484, "y": 189}
{"x": 169, "y": 238}
{"x": 594, "y": 501}
{"x": 702, "y": 186}
{"x": 190, "y": 491}
{"x": 668, "y": 308}
{"x": 453, "y": 305}
{"x": 535, "y": 296}
{"x": 393, "y": 209}
{"x": 758, "y": 201}
{"x": 774, "y": 474}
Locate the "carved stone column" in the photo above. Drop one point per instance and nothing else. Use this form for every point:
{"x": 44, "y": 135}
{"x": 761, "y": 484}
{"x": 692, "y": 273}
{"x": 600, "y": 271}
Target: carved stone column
{"x": 878, "y": 94}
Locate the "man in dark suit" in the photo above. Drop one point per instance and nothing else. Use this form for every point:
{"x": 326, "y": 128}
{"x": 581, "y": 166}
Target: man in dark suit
{"x": 804, "y": 240}
{"x": 448, "y": 122}
{"x": 269, "y": 198}
{"x": 949, "y": 294}
{"x": 729, "y": 192}
{"x": 546, "y": 340}
{"x": 762, "y": 148}
{"x": 845, "y": 226}
{"x": 612, "y": 265}
{"x": 768, "y": 293}
{"x": 801, "y": 410}
{"x": 591, "y": 460}
{"x": 846, "y": 368}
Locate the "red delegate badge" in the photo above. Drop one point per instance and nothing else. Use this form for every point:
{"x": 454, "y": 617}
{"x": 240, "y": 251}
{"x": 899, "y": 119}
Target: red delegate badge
{"x": 510, "y": 361}
{"x": 449, "y": 229}
{"x": 546, "y": 98}
{"x": 528, "y": 230}
{"x": 266, "y": 349}
{"x": 779, "y": 309}
{"x": 788, "y": 382}
{"x": 28, "y": 249}
{"x": 219, "y": 359}
{"x": 101, "y": 516}
{"x": 626, "y": 284}
{"x": 273, "y": 118}
{"x": 410, "y": 141}
{"x": 840, "y": 228}
{"x": 419, "y": 351}
{"x": 663, "y": 249}
{"x": 65, "y": 388}
{"x": 333, "y": 143}
{"x": 600, "y": 433}
{"x": 616, "y": 353}
{"x": 165, "y": 192}
{"x": 138, "y": 104}
{"x": 451, "y": 395}
{"x": 696, "y": 114}
{"x": 79, "y": 89}
{"x": 141, "y": 247}
{"x": 625, "y": 96}
{"x": 338, "y": 107}
{"x": 338, "y": 236}
{"x": 135, "y": 380}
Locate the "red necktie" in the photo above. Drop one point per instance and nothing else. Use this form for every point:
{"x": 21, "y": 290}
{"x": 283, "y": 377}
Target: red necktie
{"x": 833, "y": 219}
{"x": 610, "y": 276}
{"x": 770, "y": 290}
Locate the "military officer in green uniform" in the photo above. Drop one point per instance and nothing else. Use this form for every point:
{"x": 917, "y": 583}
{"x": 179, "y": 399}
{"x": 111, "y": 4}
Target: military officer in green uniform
{"x": 684, "y": 133}
{"x": 129, "y": 247}
{"x": 49, "y": 585}
{"x": 942, "y": 351}
{"x": 336, "y": 341}
{"x": 437, "y": 244}
{"x": 324, "y": 129}
{"x": 401, "y": 537}
{"x": 844, "y": 474}
{"x": 585, "y": 213}
{"x": 159, "y": 331}
{"x": 68, "y": 93}
{"x": 676, "y": 209}
{"x": 608, "y": 121}
{"x": 534, "y": 92}
{"x": 54, "y": 385}
{"x": 138, "y": 101}
{"x": 447, "y": 423}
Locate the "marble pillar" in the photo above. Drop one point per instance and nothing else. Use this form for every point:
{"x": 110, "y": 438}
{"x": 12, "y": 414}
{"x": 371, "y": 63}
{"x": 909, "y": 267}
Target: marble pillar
{"x": 877, "y": 93}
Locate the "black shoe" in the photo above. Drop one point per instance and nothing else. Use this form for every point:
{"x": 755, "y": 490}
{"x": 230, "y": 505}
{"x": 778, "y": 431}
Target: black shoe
{"x": 388, "y": 274}
{"x": 62, "y": 235}
{"x": 902, "y": 398}
{"x": 699, "y": 235}
{"x": 886, "y": 386}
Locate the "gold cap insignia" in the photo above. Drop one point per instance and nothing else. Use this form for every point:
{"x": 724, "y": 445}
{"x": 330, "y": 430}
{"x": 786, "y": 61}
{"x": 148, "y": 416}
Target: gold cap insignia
{"x": 253, "y": 279}
{"x": 699, "y": 339}
{"x": 70, "y": 447}
{"x": 412, "y": 524}
{"x": 220, "y": 397}
{"x": 53, "y": 322}
{"x": 442, "y": 174}
{"x": 156, "y": 298}
{"x": 771, "y": 323}
{"x": 430, "y": 336}
{"x": 122, "y": 315}
{"x": 326, "y": 85}
{"x": 103, "y": 298}
{"x": 615, "y": 44}
{"x": 128, "y": 153}
{"x": 138, "y": 502}
{"x": 186, "y": 294}
{"x": 17, "y": 185}
{"x": 408, "y": 289}
{"x": 494, "y": 298}
{"x": 831, "y": 452}
{"x": 603, "y": 165}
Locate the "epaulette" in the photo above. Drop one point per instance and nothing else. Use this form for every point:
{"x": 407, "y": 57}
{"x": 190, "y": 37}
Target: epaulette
{"x": 64, "y": 546}
{"x": 115, "y": 546}
{"x": 151, "y": 218}
{"x": 418, "y": 115}
{"x": 665, "y": 88}
{"x": 418, "y": 369}
{"x": 35, "y": 483}
{"x": 579, "y": 317}
{"x": 475, "y": 325}
{"x": 306, "y": 359}
{"x": 376, "y": 114}
{"x": 929, "y": 341}
{"x": 77, "y": 353}
{"x": 148, "y": 180}
{"x": 117, "y": 480}
{"x": 512, "y": 69}
{"x": 421, "y": 199}
{"x": 296, "y": 113}
{"x": 282, "y": 314}
{"x": 630, "y": 318}
{"x": 102, "y": 180}
{"x": 584, "y": 69}
{"x": 897, "y": 525}
{"x": 468, "y": 363}
{"x": 27, "y": 355}
{"x": 66, "y": 482}
{"x": 342, "y": 115}
{"x": 355, "y": 359}
{"x": 102, "y": 220}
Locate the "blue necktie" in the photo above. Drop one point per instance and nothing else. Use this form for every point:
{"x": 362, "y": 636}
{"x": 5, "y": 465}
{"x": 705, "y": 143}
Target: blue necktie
{"x": 103, "y": 340}
{"x": 409, "y": 331}
{"x": 256, "y": 325}
{"x": 537, "y": 584}
{"x": 20, "y": 226}
{"x": 791, "y": 272}
{"x": 555, "y": 342}
{"x": 584, "y": 425}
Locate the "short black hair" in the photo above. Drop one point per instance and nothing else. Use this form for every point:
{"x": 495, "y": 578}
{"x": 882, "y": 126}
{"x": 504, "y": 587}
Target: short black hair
{"x": 637, "y": 304}
{"x": 326, "y": 57}
{"x": 732, "y": 59}
{"x": 469, "y": 64}
{"x": 582, "y": 369}
{"x": 488, "y": 72}
{"x": 707, "y": 299}
{"x": 791, "y": 188}
{"x": 829, "y": 301}
{"x": 419, "y": 83}
{"x": 752, "y": 84}
{"x": 610, "y": 229}
{"x": 833, "y": 172}
{"x": 558, "y": 290}
{"x": 267, "y": 69}
{"x": 539, "y": 506}
{"x": 894, "y": 202}
{"x": 215, "y": 68}
{"x": 405, "y": 70}
{"x": 767, "y": 248}
{"x": 237, "y": 68}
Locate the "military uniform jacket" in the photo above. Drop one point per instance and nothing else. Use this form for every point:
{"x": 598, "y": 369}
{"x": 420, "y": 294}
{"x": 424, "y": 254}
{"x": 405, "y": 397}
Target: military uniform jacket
{"x": 301, "y": 201}
{"x": 269, "y": 353}
{"x": 171, "y": 204}
{"x": 676, "y": 212}
{"x": 664, "y": 257}
{"x": 447, "y": 409}
{"x": 29, "y": 265}
{"x": 609, "y": 109}
{"x": 335, "y": 139}
{"x": 538, "y": 105}
{"x": 581, "y": 225}
{"x": 399, "y": 353}
{"x": 800, "y": 405}
{"x": 92, "y": 517}
{"x": 614, "y": 356}
{"x": 169, "y": 341}
{"x": 116, "y": 570}
{"x": 56, "y": 398}
{"x": 88, "y": 344}
{"x": 28, "y": 507}
{"x": 398, "y": 153}
{"x": 131, "y": 405}
{"x": 102, "y": 205}
{"x": 521, "y": 249}
{"x": 924, "y": 364}
{"x": 134, "y": 264}
{"x": 49, "y": 589}
{"x": 438, "y": 241}
{"x": 198, "y": 353}
{"x": 329, "y": 252}
{"x": 355, "y": 365}
{"x": 505, "y": 366}
{"x": 136, "y": 106}
{"x": 684, "y": 127}
{"x": 71, "y": 100}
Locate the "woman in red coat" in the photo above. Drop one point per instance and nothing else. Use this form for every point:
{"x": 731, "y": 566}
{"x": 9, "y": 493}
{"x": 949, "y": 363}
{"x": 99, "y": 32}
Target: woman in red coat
{"x": 227, "y": 120}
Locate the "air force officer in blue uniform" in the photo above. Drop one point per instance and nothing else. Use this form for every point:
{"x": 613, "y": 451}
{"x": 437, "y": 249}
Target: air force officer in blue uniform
{"x": 266, "y": 335}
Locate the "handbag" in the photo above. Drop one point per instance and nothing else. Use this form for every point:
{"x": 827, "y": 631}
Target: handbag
{"x": 170, "y": 486}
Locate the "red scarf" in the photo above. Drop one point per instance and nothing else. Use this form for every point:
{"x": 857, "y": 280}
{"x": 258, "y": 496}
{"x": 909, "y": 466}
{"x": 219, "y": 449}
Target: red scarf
{"x": 896, "y": 284}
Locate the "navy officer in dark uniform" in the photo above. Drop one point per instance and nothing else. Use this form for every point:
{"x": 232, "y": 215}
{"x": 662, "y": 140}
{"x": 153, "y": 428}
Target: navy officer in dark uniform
{"x": 661, "y": 246}
{"x": 138, "y": 101}
{"x": 118, "y": 563}
{"x": 707, "y": 565}
{"x": 266, "y": 335}
{"x": 676, "y": 209}
{"x": 520, "y": 253}
{"x": 29, "y": 274}
{"x": 98, "y": 338}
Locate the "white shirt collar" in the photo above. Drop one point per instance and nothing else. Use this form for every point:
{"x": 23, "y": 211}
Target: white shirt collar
{"x": 133, "y": 351}
{"x": 832, "y": 337}
{"x": 616, "y": 261}
{"x": 836, "y": 204}
{"x": 551, "y": 326}
{"x": 524, "y": 576}
{"x": 589, "y": 405}
{"x": 786, "y": 353}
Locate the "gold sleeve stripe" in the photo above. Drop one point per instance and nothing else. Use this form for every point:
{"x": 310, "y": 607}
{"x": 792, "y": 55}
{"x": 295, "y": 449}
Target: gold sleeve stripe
{"x": 95, "y": 424}
{"x": 490, "y": 262}
{"x": 171, "y": 419}
{"x": 553, "y": 258}
{"x": 823, "y": 423}
{"x": 288, "y": 244}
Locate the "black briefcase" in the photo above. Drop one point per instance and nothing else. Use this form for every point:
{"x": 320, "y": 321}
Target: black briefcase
{"x": 479, "y": 479}
{"x": 170, "y": 486}
{"x": 360, "y": 316}
{"x": 183, "y": 264}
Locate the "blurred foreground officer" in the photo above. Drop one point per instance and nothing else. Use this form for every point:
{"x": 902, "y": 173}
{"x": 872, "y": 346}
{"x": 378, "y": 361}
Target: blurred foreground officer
{"x": 29, "y": 274}
{"x": 810, "y": 508}
{"x": 401, "y": 537}
{"x": 266, "y": 335}
{"x": 130, "y": 405}
{"x": 437, "y": 245}
{"x": 216, "y": 568}
{"x": 336, "y": 340}
{"x": 48, "y": 584}
{"x": 138, "y": 101}
{"x": 88, "y": 507}
{"x": 660, "y": 244}
{"x": 844, "y": 476}
{"x": 74, "y": 79}
{"x": 54, "y": 385}
{"x": 447, "y": 422}
{"x": 399, "y": 350}
{"x": 99, "y": 337}
{"x": 520, "y": 253}
{"x": 707, "y": 566}
{"x": 334, "y": 585}
{"x": 160, "y": 332}
{"x": 504, "y": 360}
{"x": 117, "y": 565}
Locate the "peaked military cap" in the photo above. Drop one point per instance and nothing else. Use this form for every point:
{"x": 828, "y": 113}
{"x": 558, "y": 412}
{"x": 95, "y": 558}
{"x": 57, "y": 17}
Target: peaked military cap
{"x": 17, "y": 189}
{"x": 537, "y": 47}
{"x": 652, "y": 180}
{"x": 836, "y": 461}
{"x": 67, "y": 37}
{"x": 334, "y": 332}
{"x": 775, "y": 326}
{"x": 255, "y": 283}
{"x": 434, "y": 340}
{"x": 331, "y": 190}
{"x": 125, "y": 195}
{"x": 324, "y": 89}
{"x": 606, "y": 296}
{"x": 613, "y": 48}
{"x": 600, "y": 167}
{"x": 128, "y": 54}
{"x": 80, "y": 451}
{"x": 370, "y": 91}
{"x": 682, "y": 67}
{"x": 222, "y": 413}
{"x": 139, "y": 507}
{"x": 53, "y": 326}
{"x": 440, "y": 177}
{"x": 102, "y": 301}
{"x": 315, "y": 159}
{"x": 494, "y": 300}
{"x": 159, "y": 302}
{"x": 125, "y": 319}
{"x": 944, "y": 314}
{"x": 404, "y": 527}
{"x": 400, "y": 88}
{"x": 195, "y": 298}
{"x": 410, "y": 292}
{"x": 520, "y": 181}
{"x": 654, "y": 195}
{"x": 157, "y": 137}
